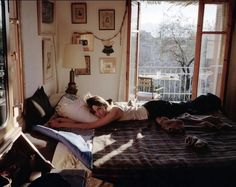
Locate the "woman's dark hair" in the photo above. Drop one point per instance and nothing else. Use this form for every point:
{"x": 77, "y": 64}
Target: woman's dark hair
{"x": 97, "y": 101}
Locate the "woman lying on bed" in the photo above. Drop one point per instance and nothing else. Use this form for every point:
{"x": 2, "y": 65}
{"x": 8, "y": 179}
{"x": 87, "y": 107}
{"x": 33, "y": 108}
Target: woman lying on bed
{"x": 162, "y": 111}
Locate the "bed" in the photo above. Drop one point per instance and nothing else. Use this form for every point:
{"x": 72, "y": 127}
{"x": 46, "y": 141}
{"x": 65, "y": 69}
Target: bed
{"x": 142, "y": 153}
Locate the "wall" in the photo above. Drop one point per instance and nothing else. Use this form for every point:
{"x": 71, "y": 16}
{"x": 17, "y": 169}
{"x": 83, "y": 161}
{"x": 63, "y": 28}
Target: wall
{"x": 32, "y": 50}
{"x": 230, "y": 104}
{"x": 105, "y": 85}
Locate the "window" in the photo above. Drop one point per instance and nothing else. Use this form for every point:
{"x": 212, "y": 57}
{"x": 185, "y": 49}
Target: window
{"x": 11, "y": 75}
{"x": 3, "y": 66}
{"x": 184, "y": 60}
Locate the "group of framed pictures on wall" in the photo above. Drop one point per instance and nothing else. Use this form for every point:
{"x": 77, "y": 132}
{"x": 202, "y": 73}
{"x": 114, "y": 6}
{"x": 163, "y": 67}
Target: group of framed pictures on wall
{"x": 46, "y": 28}
{"x": 106, "y": 17}
{"x": 107, "y": 64}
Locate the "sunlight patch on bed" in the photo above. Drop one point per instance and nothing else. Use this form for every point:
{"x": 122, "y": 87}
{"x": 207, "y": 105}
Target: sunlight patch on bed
{"x": 139, "y": 136}
{"x": 102, "y": 142}
{"x": 116, "y": 152}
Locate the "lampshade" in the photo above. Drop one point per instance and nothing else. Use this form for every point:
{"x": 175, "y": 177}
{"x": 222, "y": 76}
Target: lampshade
{"x": 74, "y": 56}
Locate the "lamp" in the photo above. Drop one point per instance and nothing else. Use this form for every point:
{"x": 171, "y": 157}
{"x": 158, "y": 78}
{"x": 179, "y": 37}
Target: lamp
{"x": 73, "y": 58}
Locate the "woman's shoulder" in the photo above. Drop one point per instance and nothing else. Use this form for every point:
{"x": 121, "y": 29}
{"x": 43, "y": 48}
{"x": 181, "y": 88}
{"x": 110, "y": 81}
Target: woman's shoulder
{"x": 116, "y": 107}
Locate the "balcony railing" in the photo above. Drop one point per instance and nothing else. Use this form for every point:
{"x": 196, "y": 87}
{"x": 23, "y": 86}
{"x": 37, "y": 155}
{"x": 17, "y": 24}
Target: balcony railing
{"x": 175, "y": 83}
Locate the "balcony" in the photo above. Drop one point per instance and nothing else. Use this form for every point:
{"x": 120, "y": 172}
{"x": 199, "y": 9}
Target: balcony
{"x": 174, "y": 83}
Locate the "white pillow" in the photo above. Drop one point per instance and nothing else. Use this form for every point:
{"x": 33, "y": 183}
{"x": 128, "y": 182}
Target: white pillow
{"x": 74, "y": 108}
{"x": 55, "y": 98}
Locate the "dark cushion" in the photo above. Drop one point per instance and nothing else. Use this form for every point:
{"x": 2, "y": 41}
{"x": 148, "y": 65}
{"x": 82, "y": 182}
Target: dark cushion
{"x": 37, "y": 109}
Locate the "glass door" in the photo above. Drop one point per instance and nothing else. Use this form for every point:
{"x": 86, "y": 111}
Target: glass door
{"x": 211, "y": 48}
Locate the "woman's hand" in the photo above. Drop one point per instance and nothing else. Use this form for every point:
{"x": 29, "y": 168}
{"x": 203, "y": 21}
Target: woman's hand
{"x": 55, "y": 123}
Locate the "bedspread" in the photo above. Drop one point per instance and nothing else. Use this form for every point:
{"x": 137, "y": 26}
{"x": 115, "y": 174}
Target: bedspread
{"x": 142, "y": 148}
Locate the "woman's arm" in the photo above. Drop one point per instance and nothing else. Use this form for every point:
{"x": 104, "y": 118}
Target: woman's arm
{"x": 114, "y": 114}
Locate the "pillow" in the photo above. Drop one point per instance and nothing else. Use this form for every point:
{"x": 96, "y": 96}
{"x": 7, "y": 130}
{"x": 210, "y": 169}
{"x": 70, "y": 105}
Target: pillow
{"x": 41, "y": 98}
{"x": 37, "y": 109}
{"x": 55, "y": 98}
{"x": 74, "y": 108}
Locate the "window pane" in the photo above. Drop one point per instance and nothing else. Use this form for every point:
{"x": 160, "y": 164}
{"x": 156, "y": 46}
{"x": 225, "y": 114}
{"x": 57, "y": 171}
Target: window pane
{"x": 214, "y": 16}
{"x": 167, "y": 48}
{"x": 211, "y": 64}
{"x": 2, "y": 67}
{"x": 134, "y": 16}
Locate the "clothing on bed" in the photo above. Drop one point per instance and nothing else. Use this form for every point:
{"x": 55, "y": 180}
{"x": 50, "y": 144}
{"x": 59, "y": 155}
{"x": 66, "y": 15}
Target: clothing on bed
{"x": 133, "y": 112}
{"x": 203, "y": 104}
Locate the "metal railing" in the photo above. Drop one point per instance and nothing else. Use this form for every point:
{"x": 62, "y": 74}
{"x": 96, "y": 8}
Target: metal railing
{"x": 175, "y": 83}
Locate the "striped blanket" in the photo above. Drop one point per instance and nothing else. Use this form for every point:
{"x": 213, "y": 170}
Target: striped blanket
{"x": 137, "y": 149}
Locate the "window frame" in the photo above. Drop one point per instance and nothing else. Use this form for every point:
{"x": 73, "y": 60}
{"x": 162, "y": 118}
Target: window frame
{"x": 200, "y": 32}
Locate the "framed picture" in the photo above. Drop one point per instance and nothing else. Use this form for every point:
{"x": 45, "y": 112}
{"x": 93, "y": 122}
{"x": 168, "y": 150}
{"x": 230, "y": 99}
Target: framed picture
{"x": 46, "y": 17}
{"x": 86, "y": 39}
{"x": 107, "y": 65}
{"x": 48, "y": 59}
{"x": 84, "y": 71}
{"x": 106, "y": 19}
{"x": 78, "y": 13}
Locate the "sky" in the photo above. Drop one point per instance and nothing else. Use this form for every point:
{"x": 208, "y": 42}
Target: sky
{"x": 154, "y": 14}
{"x": 156, "y": 11}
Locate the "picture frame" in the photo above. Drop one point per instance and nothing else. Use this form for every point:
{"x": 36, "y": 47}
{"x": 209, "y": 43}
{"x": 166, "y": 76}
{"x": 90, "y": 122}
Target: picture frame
{"x": 46, "y": 17}
{"x": 107, "y": 65}
{"x": 78, "y": 13}
{"x": 48, "y": 59}
{"x": 106, "y": 19}
{"x": 84, "y": 71}
{"x": 86, "y": 39}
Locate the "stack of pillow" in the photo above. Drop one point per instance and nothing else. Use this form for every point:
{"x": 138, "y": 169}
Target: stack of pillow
{"x": 38, "y": 109}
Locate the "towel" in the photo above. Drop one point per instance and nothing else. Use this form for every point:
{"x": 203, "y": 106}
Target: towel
{"x": 195, "y": 142}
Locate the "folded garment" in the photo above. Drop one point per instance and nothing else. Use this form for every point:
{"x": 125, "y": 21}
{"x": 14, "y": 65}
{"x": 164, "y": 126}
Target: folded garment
{"x": 200, "y": 118}
{"x": 171, "y": 125}
{"x": 208, "y": 122}
{"x": 195, "y": 142}
{"x": 208, "y": 125}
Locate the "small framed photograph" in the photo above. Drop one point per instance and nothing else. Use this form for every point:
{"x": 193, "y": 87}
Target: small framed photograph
{"x": 78, "y": 13}
{"x": 107, "y": 65}
{"x": 84, "y": 71}
{"x": 48, "y": 59}
{"x": 106, "y": 19}
{"x": 47, "y": 12}
{"x": 46, "y": 17}
{"x": 86, "y": 39}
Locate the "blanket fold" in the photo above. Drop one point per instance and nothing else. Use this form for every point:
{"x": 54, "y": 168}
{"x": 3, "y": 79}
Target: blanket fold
{"x": 76, "y": 143}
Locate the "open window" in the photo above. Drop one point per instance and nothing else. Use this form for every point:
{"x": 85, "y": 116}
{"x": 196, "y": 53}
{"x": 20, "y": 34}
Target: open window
{"x": 190, "y": 56}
